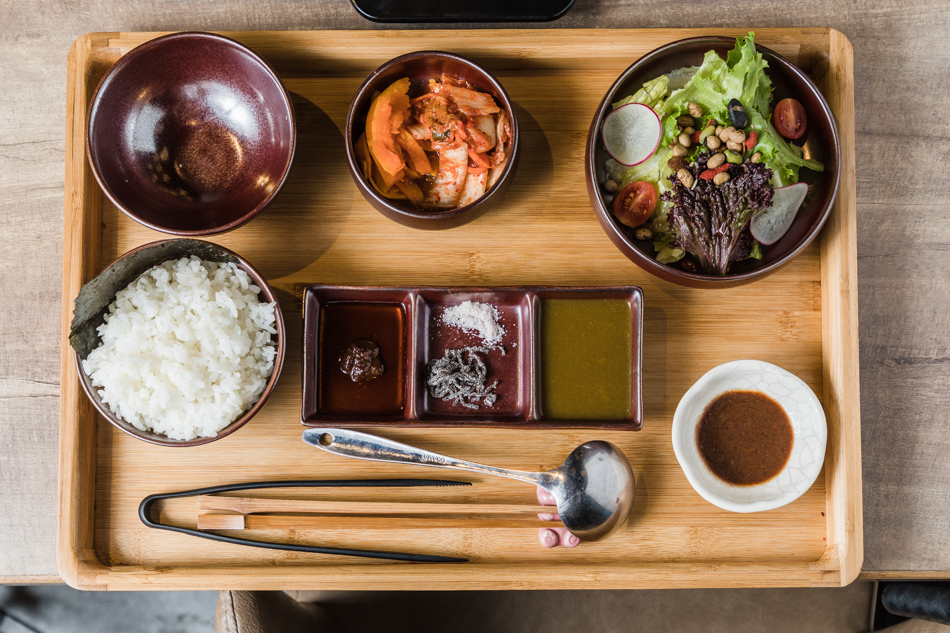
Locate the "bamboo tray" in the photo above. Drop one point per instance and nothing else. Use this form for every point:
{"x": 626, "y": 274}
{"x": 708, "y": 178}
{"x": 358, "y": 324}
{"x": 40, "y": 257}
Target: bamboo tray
{"x": 320, "y": 230}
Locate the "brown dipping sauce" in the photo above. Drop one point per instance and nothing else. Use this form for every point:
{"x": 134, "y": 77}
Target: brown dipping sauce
{"x": 383, "y": 324}
{"x": 744, "y": 437}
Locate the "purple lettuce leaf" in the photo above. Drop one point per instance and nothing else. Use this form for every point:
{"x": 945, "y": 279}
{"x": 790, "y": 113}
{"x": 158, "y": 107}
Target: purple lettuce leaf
{"x": 708, "y": 220}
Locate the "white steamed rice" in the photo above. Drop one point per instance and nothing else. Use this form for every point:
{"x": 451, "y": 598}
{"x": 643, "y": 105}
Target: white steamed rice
{"x": 186, "y": 349}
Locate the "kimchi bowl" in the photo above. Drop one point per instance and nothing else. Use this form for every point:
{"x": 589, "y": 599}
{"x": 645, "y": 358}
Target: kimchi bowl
{"x": 432, "y": 140}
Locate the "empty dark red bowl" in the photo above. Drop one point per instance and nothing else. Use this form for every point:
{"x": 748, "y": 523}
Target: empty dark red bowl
{"x": 419, "y": 67}
{"x": 821, "y": 142}
{"x": 191, "y": 134}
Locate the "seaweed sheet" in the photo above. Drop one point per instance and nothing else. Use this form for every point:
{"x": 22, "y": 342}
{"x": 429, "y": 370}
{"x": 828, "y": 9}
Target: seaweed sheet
{"x": 94, "y": 297}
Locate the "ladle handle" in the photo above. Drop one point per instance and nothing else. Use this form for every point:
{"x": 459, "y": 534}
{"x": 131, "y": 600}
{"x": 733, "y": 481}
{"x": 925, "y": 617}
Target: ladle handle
{"x": 365, "y": 446}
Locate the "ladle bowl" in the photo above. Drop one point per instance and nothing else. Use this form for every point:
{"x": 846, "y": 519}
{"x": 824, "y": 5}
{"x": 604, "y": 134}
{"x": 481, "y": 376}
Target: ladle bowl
{"x": 593, "y": 488}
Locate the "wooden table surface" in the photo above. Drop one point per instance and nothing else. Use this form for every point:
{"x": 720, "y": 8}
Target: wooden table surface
{"x": 902, "y": 67}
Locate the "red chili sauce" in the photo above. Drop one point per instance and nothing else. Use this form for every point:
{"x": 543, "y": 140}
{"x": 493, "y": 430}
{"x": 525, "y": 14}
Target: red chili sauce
{"x": 744, "y": 437}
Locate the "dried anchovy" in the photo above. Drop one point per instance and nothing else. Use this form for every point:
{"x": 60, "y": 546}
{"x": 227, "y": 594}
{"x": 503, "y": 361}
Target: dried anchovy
{"x": 460, "y": 376}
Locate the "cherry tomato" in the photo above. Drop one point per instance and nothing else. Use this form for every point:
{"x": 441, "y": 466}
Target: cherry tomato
{"x": 635, "y": 203}
{"x": 789, "y": 118}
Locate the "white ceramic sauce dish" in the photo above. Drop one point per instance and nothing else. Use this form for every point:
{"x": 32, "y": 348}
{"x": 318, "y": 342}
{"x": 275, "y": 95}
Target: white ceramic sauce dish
{"x": 810, "y": 435}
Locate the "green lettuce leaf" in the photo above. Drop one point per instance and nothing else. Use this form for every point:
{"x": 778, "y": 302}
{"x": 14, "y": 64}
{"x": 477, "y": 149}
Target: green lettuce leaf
{"x": 705, "y": 88}
{"x": 740, "y": 76}
{"x": 654, "y": 170}
{"x": 783, "y": 158}
{"x": 669, "y": 131}
{"x": 745, "y": 78}
{"x": 663, "y": 238}
{"x": 668, "y": 255}
{"x": 756, "y": 252}
{"x": 650, "y": 94}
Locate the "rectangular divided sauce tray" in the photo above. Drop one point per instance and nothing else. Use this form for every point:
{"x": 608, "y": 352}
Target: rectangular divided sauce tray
{"x": 518, "y": 365}
{"x": 544, "y": 233}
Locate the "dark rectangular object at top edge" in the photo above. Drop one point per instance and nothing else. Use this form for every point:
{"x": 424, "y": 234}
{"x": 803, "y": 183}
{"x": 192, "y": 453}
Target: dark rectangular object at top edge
{"x": 462, "y": 10}
{"x": 418, "y": 300}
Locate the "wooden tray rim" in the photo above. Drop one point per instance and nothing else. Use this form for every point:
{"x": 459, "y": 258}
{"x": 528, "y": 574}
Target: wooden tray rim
{"x": 839, "y": 565}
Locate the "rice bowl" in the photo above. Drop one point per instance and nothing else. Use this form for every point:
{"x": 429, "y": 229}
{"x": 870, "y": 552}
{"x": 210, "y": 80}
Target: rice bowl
{"x": 186, "y": 349}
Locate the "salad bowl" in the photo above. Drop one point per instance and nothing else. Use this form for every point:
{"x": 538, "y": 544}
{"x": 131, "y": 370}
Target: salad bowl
{"x": 821, "y": 143}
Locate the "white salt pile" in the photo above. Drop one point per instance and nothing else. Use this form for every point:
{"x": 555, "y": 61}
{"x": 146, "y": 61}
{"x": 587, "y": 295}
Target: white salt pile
{"x": 480, "y": 318}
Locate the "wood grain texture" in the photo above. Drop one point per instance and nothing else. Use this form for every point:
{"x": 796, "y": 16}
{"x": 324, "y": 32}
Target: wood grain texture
{"x": 839, "y": 298}
{"x": 903, "y": 259}
{"x": 545, "y": 234}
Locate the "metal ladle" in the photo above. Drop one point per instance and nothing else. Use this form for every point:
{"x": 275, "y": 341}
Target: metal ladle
{"x": 593, "y": 489}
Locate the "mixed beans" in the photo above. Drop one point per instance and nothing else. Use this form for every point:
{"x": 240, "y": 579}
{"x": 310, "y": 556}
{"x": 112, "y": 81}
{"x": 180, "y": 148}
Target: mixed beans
{"x": 728, "y": 144}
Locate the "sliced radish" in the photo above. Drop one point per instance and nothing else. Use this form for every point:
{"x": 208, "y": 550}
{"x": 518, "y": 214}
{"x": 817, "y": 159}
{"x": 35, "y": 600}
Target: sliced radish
{"x": 632, "y": 133}
{"x": 770, "y": 224}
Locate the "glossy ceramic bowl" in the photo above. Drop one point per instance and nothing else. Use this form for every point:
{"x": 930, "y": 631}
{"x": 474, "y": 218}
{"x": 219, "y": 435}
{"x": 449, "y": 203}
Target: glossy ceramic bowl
{"x": 419, "y": 67}
{"x": 810, "y": 435}
{"x": 96, "y": 296}
{"x": 821, "y": 143}
{"x": 191, "y": 134}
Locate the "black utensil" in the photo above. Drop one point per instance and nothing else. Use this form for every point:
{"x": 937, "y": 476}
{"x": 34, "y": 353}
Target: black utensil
{"x": 146, "y": 506}
{"x": 462, "y": 10}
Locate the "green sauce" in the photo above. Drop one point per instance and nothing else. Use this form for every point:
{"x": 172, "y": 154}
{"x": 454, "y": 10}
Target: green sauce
{"x": 585, "y": 348}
